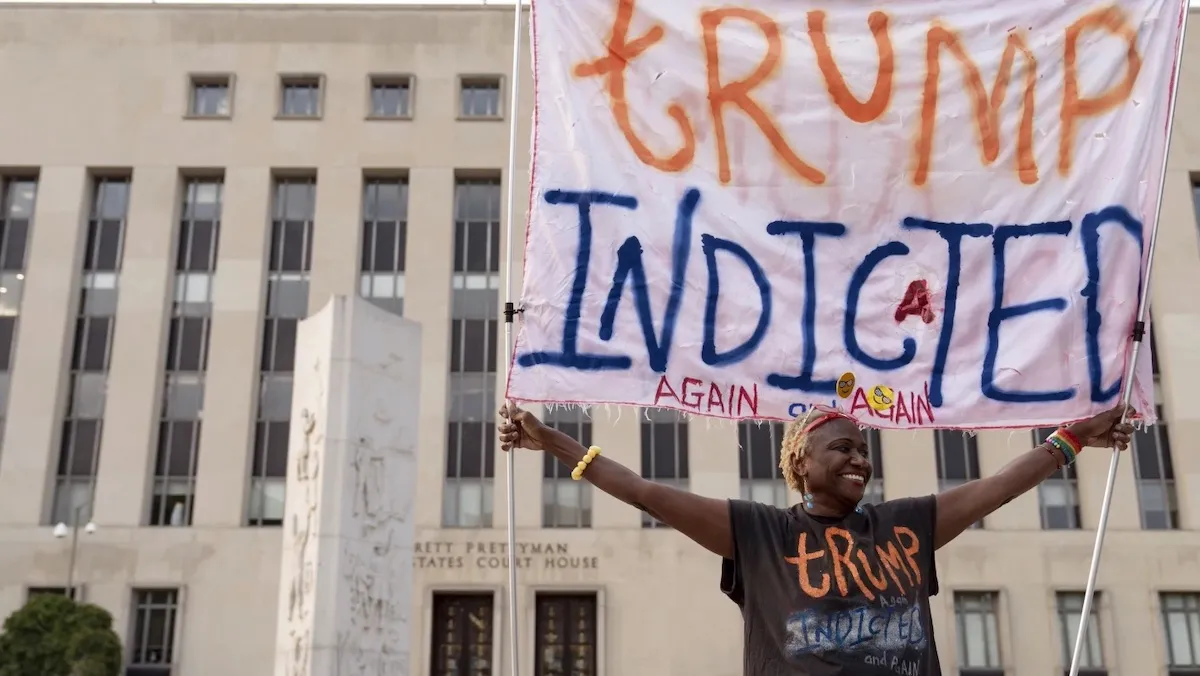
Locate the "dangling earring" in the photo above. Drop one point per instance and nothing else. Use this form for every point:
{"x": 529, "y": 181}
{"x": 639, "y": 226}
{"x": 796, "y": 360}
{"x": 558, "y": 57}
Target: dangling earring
{"x": 859, "y": 509}
{"x": 808, "y": 497}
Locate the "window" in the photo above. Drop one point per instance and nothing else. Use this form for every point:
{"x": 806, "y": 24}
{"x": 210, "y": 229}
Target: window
{"x": 1058, "y": 496}
{"x": 475, "y": 300}
{"x": 664, "y": 452}
{"x": 152, "y": 650}
{"x": 476, "y": 229}
{"x": 470, "y": 470}
{"x": 1155, "y": 476}
{"x": 758, "y": 462}
{"x": 17, "y": 197}
{"x": 391, "y": 97}
{"x": 300, "y": 96}
{"x": 211, "y": 96}
{"x": 462, "y": 635}
{"x": 978, "y": 635}
{"x": 566, "y": 503}
{"x": 957, "y": 460}
{"x": 53, "y": 591}
{"x": 187, "y": 354}
{"x": 473, "y": 345}
{"x": 384, "y": 242}
{"x": 1181, "y": 626}
{"x": 479, "y": 97}
{"x": 1070, "y": 610}
{"x": 79, "y": 451}
{"x": 289, "y": 265}
{"x": 106, "y": 226}
{"x": 565, "y": 644}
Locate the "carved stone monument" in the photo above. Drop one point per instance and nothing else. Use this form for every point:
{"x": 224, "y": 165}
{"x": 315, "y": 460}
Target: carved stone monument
{"x": 346, "y": 576}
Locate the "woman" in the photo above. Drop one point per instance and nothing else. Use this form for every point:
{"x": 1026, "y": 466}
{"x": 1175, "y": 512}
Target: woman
{"x": 828, "y": 586}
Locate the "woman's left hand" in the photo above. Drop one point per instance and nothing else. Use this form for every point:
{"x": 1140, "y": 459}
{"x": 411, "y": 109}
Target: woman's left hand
{"x": 1105, "y": 430}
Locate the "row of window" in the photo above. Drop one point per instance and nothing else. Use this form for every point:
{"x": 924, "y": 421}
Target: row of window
{"x": 17, "y": 197}
{"x": 1058, "y": 496}
{"x": 470, "y": 436}
{"x": 385, "y": 208}
{"x": 389, "y": 97}
{"x": 566, "y": 633}
{"x": 150, "y": 650}
{"x": 664, "y": 457}
{"x": 977, "y": 630}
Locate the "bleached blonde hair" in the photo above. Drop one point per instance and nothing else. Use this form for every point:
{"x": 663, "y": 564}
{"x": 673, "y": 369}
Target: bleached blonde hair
{"x": 794, "y": 448}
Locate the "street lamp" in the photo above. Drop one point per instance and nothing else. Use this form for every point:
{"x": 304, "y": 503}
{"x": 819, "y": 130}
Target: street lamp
{"x": 60, "y": 532}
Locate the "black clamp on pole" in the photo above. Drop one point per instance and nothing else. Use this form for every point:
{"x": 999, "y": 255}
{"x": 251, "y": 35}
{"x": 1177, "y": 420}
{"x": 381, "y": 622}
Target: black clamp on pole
{"x": 1139, "y": 331}
{"x": 509, "y": 312}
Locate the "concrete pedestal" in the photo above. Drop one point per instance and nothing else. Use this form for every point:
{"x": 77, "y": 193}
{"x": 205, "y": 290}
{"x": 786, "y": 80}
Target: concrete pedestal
{"x": 346, "y": 576}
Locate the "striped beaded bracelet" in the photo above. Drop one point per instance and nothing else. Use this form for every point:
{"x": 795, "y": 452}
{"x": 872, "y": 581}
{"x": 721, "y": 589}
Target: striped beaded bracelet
{"x": 1066, "y": 443}
{"x": 577, "y": 473}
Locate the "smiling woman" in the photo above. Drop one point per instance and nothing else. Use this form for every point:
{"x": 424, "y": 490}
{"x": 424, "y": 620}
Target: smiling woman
{"x": 832, "y": 585}
{"x": 842, "y": 478}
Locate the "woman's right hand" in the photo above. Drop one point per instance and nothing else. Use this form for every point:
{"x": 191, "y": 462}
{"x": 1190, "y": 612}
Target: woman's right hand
{"x": 521, "y": 429}
{"x": 704, "y": 520}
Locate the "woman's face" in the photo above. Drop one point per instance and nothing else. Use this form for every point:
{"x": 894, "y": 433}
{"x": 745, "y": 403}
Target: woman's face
{"x": 837, "y": 464}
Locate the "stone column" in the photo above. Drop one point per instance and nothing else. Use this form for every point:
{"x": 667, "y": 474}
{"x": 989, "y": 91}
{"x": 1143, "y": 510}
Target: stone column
{"x": 41, "y": 358}
{"x": 234, "y": 350}
{"x": 713, "y": 457}
{"x": 617, "y": 430}
{"x": 134, "y": 401}
{"x": 431, "y": 222}
{"x": 345, "y": 598}
{"x": 997, "y": 448}
{"x": 338, "y": 235}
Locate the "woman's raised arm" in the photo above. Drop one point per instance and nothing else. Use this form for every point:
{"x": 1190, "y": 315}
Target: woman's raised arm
{"x": 963, "y": 505}
{"x": 704, "y": 520}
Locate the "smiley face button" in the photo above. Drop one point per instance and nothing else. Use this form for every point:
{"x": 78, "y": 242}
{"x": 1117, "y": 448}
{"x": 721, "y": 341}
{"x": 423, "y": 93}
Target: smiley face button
{"x": 880, "y": 398}
{"x": 845, "y": 385}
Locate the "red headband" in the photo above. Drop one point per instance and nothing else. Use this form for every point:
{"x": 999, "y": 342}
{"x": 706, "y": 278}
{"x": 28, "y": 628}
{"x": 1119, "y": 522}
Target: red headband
{"x": 824, "y": 418}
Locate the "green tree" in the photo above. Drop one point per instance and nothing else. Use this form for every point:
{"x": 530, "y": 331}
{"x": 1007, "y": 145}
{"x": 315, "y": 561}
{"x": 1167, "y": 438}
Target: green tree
{"x": 53, "y": 635}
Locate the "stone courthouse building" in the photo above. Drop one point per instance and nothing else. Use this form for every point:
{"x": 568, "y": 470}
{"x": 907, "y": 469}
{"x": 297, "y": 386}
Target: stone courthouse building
{"x": 180, "y": 184}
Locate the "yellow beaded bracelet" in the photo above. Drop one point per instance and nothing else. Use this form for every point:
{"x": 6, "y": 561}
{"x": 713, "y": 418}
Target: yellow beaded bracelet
{"x": 577, "y": 473}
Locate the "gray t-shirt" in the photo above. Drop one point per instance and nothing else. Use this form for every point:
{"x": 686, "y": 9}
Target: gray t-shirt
{"x": 823, "y": 596}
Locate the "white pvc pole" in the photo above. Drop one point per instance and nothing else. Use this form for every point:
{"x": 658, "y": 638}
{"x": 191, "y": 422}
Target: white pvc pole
{"x": 510, "y": 177}
{"x": 1143, "y": 304}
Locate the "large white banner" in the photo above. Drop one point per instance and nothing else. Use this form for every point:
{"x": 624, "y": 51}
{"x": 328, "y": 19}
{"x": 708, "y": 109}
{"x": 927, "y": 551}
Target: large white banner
{"x": 925, "y": 213}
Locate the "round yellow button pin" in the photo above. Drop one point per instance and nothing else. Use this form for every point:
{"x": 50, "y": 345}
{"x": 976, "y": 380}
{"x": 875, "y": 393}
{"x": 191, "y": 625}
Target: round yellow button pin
{"x": 880, "y": 398}
{"x": 845, "y": 385}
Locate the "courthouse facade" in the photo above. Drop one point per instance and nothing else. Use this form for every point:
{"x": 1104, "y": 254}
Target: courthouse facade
{"x": 181, "y": 185}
